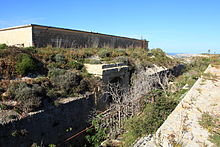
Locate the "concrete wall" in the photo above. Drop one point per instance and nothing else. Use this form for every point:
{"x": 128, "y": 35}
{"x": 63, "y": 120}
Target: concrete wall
{"x": 58, "y": 37}
{"x": 51, "y": 126}
{"x": 21, "y": 36}
{"x": 110, "y": 73}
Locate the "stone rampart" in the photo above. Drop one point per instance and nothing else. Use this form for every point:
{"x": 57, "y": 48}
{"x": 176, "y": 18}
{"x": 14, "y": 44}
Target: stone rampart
{"x": 58, "y": 37}
{"x": 51, "y": 126}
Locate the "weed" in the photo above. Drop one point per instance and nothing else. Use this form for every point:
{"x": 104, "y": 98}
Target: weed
{"x": 75, "y": 65}
{"x": 211, "y": 123}
{"x": 3, "y": 46}
{"x": 215, "y": 138}
{"x": 207, "y": 121}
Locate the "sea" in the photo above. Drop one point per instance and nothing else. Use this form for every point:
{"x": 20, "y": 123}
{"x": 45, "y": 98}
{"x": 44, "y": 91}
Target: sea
{"x": 173, "y": 54}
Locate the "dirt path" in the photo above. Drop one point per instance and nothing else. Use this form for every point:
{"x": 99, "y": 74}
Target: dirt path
{"x": 182, "y": 126}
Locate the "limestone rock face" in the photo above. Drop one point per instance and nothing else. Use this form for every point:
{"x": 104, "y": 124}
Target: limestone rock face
{"x": 182, "y": 126}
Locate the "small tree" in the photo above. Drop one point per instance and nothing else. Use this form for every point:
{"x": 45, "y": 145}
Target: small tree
{"x": 25, "y": 64}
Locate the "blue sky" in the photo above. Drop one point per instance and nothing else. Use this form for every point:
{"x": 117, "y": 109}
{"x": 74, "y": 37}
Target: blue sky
{"x": 183, "y": 26}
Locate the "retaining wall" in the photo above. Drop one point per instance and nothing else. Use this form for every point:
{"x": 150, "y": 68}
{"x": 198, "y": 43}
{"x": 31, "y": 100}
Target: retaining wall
{"x": 51, "y": 126}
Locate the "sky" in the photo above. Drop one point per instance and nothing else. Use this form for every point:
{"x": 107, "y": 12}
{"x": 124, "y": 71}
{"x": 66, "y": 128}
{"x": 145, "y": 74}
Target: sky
{"x": 176, "y": 26}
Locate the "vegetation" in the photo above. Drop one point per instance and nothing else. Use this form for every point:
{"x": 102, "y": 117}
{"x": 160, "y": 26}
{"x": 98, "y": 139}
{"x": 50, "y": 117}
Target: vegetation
{"x": 54, "y": 74}
{"x": 28, "y": 96}
{"x": 25, "y": 64}
{"x": 211, "y": 123}
{"x": 96, "y": 135}
{"x": 61, "y": 73}
{"x": 3, "y": 46}
{"x": 152, "y": 117}
{"x": 156, "y": 111}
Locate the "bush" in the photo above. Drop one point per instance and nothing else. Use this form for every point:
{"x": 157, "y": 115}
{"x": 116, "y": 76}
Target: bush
{"x": 52, "y": 65}
{"x": 60, "y": 59}
{"x": 68, "y": 81}
{"x": 55, "y": 72}
{"x": 122, "y": 59}
{"x": 75, "y": 65}
{"x": 52, "y": 93}
{"x": 118, "y": 52}
{"x": 28, "y": 96}
{"x": 92, "y": 61}
{"x": 83, "y": 86}
{"x": 65, "y": 81}
{"x": 151, "y": 119}
{"x": 104, "y": 53}
{"x": 25, "y": 64}
{"x": 3, "y": 46}
{"x": 82, "y": 53}
{"x": 95, "y": 136}
{"x": 31, "y": 49}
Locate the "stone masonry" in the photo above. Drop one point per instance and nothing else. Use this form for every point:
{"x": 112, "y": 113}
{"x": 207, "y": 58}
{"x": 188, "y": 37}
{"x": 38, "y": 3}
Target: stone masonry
{"x": 43, "y": 36}
{"x": 182, "y": 125}
{"x": 110, "y": 73}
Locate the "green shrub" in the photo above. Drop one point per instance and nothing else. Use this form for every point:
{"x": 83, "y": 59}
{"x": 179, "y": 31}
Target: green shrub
{"x": 3, "y": 107}
{"x": 122, "y": 59}
{"x": 28, "y": 96}
{"x": 55, "y": 72}
{"x": 95, "y": 136}
{"x": 3, "y": 46}
{"x": 31, "y": 49}
{"x": 82, "y": 53}
{"x": 75, "y": 65}
{"x": 103, "y": 53}
{"x": 59, "y": 58}
{"x": 53, "y": 65}
{"x": 25, "y": 64}
{"x": 92, "y": 61}
{"x": 118, "y": 52}
{"x": 52, "y": 93}
{"x": 151, "y": 119}
{"x": 67, "y": 82}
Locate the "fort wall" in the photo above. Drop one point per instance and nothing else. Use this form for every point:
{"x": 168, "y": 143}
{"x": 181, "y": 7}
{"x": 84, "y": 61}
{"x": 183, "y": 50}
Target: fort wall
{"x": 66, "y": 38}
{"x": 51, "y": 126}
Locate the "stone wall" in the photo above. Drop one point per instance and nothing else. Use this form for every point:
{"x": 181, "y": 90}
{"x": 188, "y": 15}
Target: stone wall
{"x": 182, "y": 127}
{"x": 110, "y": 73}
{"x": 50, "y": 126}
{"x": 58, "y": 37}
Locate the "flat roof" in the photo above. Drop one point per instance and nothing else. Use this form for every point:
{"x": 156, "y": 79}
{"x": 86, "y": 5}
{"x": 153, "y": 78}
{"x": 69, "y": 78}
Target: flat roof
{"x": 36, "y": 25}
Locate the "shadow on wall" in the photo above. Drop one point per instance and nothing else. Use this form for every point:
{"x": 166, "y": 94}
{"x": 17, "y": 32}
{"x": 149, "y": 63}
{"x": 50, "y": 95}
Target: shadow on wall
{"x": 51, "y": 126}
